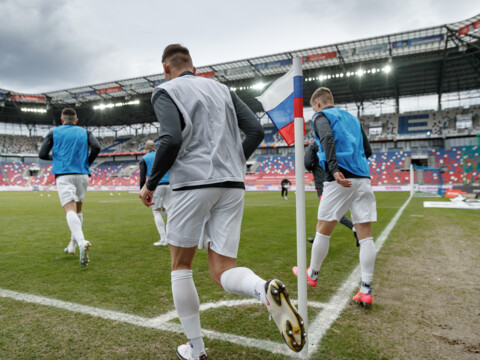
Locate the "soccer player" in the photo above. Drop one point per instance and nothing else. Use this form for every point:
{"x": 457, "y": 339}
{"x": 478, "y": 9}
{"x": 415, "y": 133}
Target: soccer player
{"x": 343, "y": 152}
{"x": 285, "y": 184}
{"x": 200, "y": 144}
{"x": 71, "y": 165}
{"x": 161, "y": 197}
{"x": 319, "y": 176}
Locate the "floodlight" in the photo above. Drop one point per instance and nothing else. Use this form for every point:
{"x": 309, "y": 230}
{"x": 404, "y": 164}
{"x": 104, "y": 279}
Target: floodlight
{"x": 258, "y": 86}
{"x": 111, "y": 105}
{"x": 34, "y": 110}
{"x": 387, "y": 68}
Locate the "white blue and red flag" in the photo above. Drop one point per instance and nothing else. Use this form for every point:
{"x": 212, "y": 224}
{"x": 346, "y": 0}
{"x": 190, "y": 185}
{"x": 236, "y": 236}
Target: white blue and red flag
{"x": 283, "y": 102}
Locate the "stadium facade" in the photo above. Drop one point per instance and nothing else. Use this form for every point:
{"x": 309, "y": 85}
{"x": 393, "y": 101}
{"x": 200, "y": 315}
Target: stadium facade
{"x": 436, "y": 69}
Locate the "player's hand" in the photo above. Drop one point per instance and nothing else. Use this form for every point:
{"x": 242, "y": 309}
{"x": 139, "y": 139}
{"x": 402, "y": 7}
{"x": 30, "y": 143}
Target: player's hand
{"x": 146, "y": 196}
{"x": 340, "y": 179}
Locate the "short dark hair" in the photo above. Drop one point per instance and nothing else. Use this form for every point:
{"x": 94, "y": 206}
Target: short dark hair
{"x": 323, "y": 94}
{"x": 69, "y": 115}
{"x": 177, "y": 56}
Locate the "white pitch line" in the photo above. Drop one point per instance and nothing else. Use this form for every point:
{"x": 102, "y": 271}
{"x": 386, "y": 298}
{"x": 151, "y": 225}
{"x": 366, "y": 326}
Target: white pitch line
{"x": 161, "y": 322}
{"x": 77, "y": 308}
{"x": 317, "y": 329}
{"x": 339, "y": 301}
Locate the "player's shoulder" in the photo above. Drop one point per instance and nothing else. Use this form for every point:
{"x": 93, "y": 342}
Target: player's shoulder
{"x": 50, "y": 133}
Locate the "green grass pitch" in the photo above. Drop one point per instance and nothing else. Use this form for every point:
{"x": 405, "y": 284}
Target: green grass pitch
{"x": 129, "y": 275}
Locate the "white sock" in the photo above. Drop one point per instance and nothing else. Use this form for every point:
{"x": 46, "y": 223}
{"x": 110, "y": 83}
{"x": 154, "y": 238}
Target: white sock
{"x": 319, "y": 253}
{"x": 196, "y": 345}
{"x": 73, "y": 243}
{"x": 72, "y": 239}
{"x": 367, "y": 262}
{"x": 244, "y": 282}
{"x": 75, "y": 226}
{"x": 157, "y": 215}
{"x": 187, "y": 304}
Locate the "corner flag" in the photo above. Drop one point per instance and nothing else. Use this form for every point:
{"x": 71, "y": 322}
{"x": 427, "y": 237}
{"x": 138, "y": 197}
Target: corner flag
{"x": 283, "y": 101}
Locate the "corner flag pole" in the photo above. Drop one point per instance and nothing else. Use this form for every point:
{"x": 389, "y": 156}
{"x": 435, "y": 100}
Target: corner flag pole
{"x": 300, "y": 202}
{"x": 412, "y": 180}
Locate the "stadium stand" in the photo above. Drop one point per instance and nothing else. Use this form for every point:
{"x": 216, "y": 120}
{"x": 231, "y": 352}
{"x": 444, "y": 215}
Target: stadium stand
{"x": 121, "y": 173}
{"x": 127, "y": 144}
{"x": 11, "y": 144}
{"x": 44, "y": 176}
{"x": 15, "y": 173}
{"x": 385, "y": 166}
{"x": 105, "y": 142}
{"x": 281, "y": 165}
{"x": 358, "y": 74}
{"x": 117, "y": 145}
{"x": 461, "y": 164}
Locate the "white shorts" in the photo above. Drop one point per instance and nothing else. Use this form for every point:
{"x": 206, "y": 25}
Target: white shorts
{"x": 72, "y": 188}
{"x": 206, "y": 216}
{"x": 359, "y": 199}
{"x": 161, "y": 197}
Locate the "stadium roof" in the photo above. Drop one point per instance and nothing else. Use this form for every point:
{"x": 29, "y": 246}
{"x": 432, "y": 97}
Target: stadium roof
{"x": 433, "y": 60}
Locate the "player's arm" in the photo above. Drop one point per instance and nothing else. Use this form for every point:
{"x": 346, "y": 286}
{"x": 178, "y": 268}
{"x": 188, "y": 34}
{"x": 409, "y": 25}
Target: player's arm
{"x": 249, "y": 124}
{"x": 170, "y": 137}
{"x": 94, "y": 148}
{"x": 366, "y": 145}
{"x": 310, "y": 157}
{"x": 325, "y": 134}
{"x": 47, "y": 145}
{"x": 143, "y": 172}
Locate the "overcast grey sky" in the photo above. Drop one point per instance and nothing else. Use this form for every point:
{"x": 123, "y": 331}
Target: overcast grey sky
{"x": 50, "y": 45}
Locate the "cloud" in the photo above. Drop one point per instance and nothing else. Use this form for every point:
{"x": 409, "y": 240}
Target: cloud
{"x": 58, "y": 44}
{"x": 43, "y": 48}
{"x": 345, "y": 20}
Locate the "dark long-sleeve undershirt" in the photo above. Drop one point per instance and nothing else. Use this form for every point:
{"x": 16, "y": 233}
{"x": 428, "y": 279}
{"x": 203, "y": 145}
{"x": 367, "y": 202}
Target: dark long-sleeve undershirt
{"x": 249, "y": 124}
{"x": 47, "y": 145}
{"x": 312, "y": 164}
{"x": 143, "y": 172}
{"x": 171, "y": 126}
{"x": 324, "y": 132}
{"x": 95, "y": 148}
{"x": 170, "y": 139}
